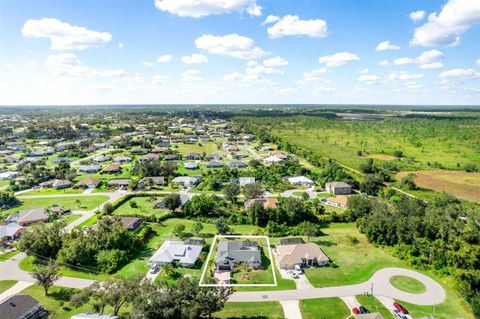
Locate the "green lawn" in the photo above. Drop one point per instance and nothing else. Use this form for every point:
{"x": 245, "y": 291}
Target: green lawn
{"x": 5, "y": 256}
{"x": 53, "y": 191}
{"x": 86, "y": 203}
{"x": 6, "y": 284}
{"x": 324, "y": 308}
{"x": 407, "y": 284}
{"x": 447, "y": 310}
{"x": 89, "y": 222}
{"x": 251, "y": 310}
{"x": 144, "y": 207}
{"x": 205, "y": 147}
{"x": 374, "y": 305}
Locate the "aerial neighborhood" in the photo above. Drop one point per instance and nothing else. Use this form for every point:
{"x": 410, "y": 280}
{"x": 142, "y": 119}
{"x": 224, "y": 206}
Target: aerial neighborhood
{"x": 150, "y": 205}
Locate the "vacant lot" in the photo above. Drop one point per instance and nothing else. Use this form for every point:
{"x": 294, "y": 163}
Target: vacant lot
{"x": 251, "y": 310}
{"x": 140, "y": 206}
{"x": 460, "y": 184}
{"x": 331, "y": 308}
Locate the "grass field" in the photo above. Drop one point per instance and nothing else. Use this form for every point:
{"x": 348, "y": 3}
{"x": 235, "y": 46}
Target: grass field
{"x": 86, "y": 203}
{"x": 324, "y": 308}
{"x": 460, "y": 184}
{"x": 53, "y": 191}
{"x": 251, "y": 310}
{"x": 144, "y": 207}
{"x": 5, "y": 256}
{"x": 6, "y": 284}
{"x": 407, "y": 284}
{"x": 374, "y": 305}
{"x": 204, "y": 147}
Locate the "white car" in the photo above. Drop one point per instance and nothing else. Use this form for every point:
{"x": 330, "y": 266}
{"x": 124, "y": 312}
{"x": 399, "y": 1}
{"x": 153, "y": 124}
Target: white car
{"x": 298, "y": 269}
{"x": 153, "y": 270}
{"x": 292, "y": 273}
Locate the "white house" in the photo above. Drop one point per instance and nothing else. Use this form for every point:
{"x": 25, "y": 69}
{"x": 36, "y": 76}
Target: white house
{"x": 246, "y": 180}
{"x": 300, "y": 181}
{"x": 8, "y": 175}
{"x": 176, "y": 251}
{"x": 272, "y": 159}
{"x": 188, "y": 181}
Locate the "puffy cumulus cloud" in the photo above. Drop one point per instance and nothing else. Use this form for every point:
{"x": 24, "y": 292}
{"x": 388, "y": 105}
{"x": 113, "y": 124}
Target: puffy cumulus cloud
{"x": 235, "y": 76}
{"x": 69, "y": 65}
{"x": 194, "y": 59}
{"x": 202, "y": 8}
{"x": 445, "y": 28}
{"x": 314, "y": 77}
{"x": 159, "y": 80}
{"x": 276, "y": 61}
{"x": 369, "y": 78}
{"x": 232, "y": 45}
{"x": 120, "y": 45}
{"x": 417, "y": 15}
{"x": 459, "y": 74}
{"x": 387, "y": 46}
{"x": 478, "y": 61}
{"x": 292, "y": 25}
{"x": 256, "y": 71}
{"x": 270, "y": 19}
{"x": 191, "y": 75}
{"x": 338, "y": 59}
{"x": 363, "y": 71}
{"x": 426, "y": 60}
{"x": 404, "y": 76}
{"x": 64, "y": 36}
{"x": 164, "y": 58}
{"x": 383, "y": 63}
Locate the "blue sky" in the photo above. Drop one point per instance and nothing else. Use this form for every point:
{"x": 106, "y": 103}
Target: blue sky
{"x": 240, "y": 51}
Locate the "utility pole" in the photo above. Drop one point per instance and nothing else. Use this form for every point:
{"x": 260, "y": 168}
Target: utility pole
{"x": 371, "y": 297}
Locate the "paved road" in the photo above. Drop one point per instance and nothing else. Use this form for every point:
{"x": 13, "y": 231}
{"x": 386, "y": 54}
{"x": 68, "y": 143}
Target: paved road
{"x": 15, "y": 289}
{"x": 434, "y": 293}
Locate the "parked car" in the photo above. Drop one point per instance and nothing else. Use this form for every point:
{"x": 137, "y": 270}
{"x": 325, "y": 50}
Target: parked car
{"x": 400, "y": 308}
{"x": 355, "y": 310}
{"x": 363, "y": 309}
{"x": 153, "y": 270}
{"x": 298, "y": 269}
{"x": 399, "y": 315}
{"x": 292, "y": 273}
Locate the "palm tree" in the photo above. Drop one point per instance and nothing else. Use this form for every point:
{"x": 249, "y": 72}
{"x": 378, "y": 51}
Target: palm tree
{"x": 168, "y": 269}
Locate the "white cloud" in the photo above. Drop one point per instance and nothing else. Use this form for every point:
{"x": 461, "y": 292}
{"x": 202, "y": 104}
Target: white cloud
{"x": 202, "y": 8}
{"x": 120, "y": 45}
{"x": 276, "y": 61}
{"x": 478, "y": 61}
{"x": 164, "y": 58}
{"x": 270, "y": 19}
{"x": 235, "y": 76}
{"x": 383, "y": 63}
{"x": 426, "y": 60}
{"x": 363, "y": 71}
{"x": 292, "y": 25}
{"x": 146, "y": 63}
{"x": 404, "y": 76}
{"x": 445, "y": 28}
{"x": 459, "y": 74}
{"x": 232, "y": 45}
{"x": 314, "y": 77}
{"x": 403, "y": 61}
{"x": 251, "y": 63}
{"x": 64, "y": 36}
{"x": 69, "y": 65}
{"x": 194, "y": 59}
{"x": 159, "y": 80}
{"x": 191, "y": 75}
{"x": 256, "y": 71}
{"x": 338, "y": 59}
{"x": 417, "y": 15}
{"x": 254, "y": 9}
{"x": 386, "y": 46}
{"x": 369, "y": 78}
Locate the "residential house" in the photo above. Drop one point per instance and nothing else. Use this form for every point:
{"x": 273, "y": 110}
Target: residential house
{"x": 171, "y": 157}
{"x": 129, "y": 223}
{"x": 213, "y": 157}
{"x": 231, "y": 253}
{"x": 113, "y": 168}
{"x": 338, "y": 188}
{"x": 246, "y": 180}
{"x": 267, "y": 203}
{"x": 150, "y": 157}
{"x": 121, "y": 183}
{"x": 10, "y": 232}
{"x": 8, "y": 175}
{"x": 22, "y": 307}
{"x": 91, "y": 169}
{"x": 122, "y": 159}
{"x": 88, "y": 183}
{"x": 300, "y": 181}
{"x": 237, "y": 164}
{"x": 28, "y": 216}
{"x": 187, "y": 181}
{"x": 185, "y": 253}
{"x": 151, "y": 181}
{"x": 190, "y": 165}
{"x": 183, "y": 199}
{"x": 272, "y": 160}
{"x": 214, "y": 164}
{"x": 139, "y": 151}
{"x": 58, "y": 160}
{"x": 56, "y": 183}
{"x": 101, "y": 158}
{"x": 301, "y": 254}
{"x": 192, "y": 156}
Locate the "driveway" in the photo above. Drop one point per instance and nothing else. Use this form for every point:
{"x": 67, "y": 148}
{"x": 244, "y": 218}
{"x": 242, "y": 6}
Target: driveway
{"x": 351, "y": 302}
{"x": 291, "y": 309}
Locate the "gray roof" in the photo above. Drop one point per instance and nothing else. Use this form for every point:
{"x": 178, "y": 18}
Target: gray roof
{"x": 176, "y": 250}
{"x": 229, "y": 252}
{"x": 19, "y": 307}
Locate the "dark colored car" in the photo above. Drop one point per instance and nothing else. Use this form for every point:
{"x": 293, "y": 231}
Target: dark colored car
{"x": 363, "y": 309}
{"x": 400, "y": 308}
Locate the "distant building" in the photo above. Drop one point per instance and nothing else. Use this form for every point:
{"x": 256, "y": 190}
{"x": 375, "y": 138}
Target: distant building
{"x": 90, "y": 169}
{"x": 188, "y": 181}
{"x": 246, "y": 180}
{"x": 338, "y": 188}
{"x": 237, "y": 164}
{"x": 192, "y": 156}
{"x": 28, "y": 216}
{"x": 152, "y": 181}
{"x": 88, "y": 183}
{"x": 122, "y": 159}
{"x": 300, "y": 181}
{"x": 214, "y": 164}
{"x": 267, "y": 203}
{"x": 10, "y": 232}
{"x": 185, "y": 253}
{"x": 8, "y": 175}
{"x": 113, "y": 168}
{"x": 190, "y": 165}
{"x": 121, "y": 183}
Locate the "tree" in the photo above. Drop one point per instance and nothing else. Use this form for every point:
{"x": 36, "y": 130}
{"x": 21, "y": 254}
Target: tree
{"x": 8, "y": 200}
{"x": 398, "y": 153}
{"x": 253, "y": 190}
{"x": 358, "y": 206}
{"x": 108, "y": 208}
{"x": 46, "y": 275}
{"x": 172, "y": 201}
{"x": 305, "y": 196}
{"x": 114, "y": 292}
{"x": 168, "y": 269}
{"x": 43, "y": 240}
{"x": 78, "y": 203}
{"x": 222, "y": 226}
{"x": 372, "y": 184}
{"x": 179, "y": 230}
{"x": 197, "y": 228}
{"x": 408, "y": 182}
{"x": 308, "y": 230}
{"x": 231, "y": 192}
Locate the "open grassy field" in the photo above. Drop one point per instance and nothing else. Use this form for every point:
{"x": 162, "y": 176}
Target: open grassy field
{"x": 374, "y": 305}
{"x": 6, "y": 284}
{"x": 53, "y": 191}
{"x": 251, "y": 310}
{"x": 200, "y": 148}
{"x": 358, "y": 262}
{"x": 460, "y": 184}
{"x": 324, "y": 308}
{"x": 86, "y": 203}
{"x": 142, "y": 206}
{"x": 407, "y": 284}
{"x": 10, "y": 254}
